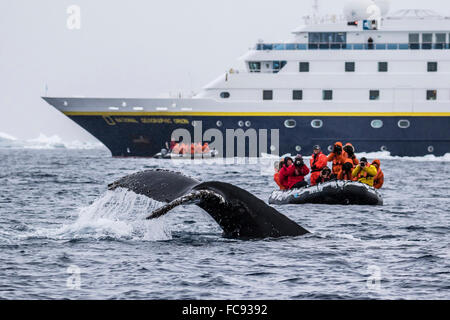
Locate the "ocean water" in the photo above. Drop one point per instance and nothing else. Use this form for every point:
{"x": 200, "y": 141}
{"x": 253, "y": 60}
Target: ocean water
{"x": 64, "y": 236}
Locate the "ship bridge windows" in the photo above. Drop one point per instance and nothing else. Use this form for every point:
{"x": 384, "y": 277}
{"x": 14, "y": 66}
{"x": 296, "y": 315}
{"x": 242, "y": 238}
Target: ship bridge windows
{"x": 414, "y": 41}
{"x": 327, "y": 40}
{"x": 441, "y": 39}
{"x": 432, "y": 67}
{"x": 269, "y": 66}
{"x": 427, "y": 40}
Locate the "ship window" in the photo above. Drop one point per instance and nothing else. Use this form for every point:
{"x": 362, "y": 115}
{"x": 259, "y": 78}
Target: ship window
{"x": 414, "y": 41}
{"x": 427, "y": 40}
{"x": 254, "y": 66}
{"x": 219, "y": 123}
{"x": 377, "y": 124}
{"x": 241, "y": 123}
{"x": 431, "y": 94}
{"x": 304, "y": 66}
{"x": 440, "y": 40}
{"x": 349, "y": 67}
{"x": 248, "y": 124}
{"x": 382, "y": 67}
{"x": 404, "y": 124}
{"x": 327, "y": 95}
{"x": 267, "y": 95}
{"x": 297, "y": 95}
{"x": 432, "y": 66}
{"x": 290, "y": 123}
{"x": 327, "y": 40}
{"x": 317, "y": 123}
{"x": 278, "y": 65}
{"x": 224, "y": 95}
{"x": 374, "y": 95}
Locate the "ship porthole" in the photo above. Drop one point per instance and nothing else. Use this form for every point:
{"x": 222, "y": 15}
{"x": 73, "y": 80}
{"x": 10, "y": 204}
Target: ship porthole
{"x": 248, "y": 124}
{"x": 404, "y": 124}
{"x": 430, "y": 149}
{"x": 290, "y": 123}
{"x": 330, "y": 148}
{"x": 219, "y": 123}
{"x": 272, "y": 148}
{"x": 384, "y": 148}
{"x": 317, "y": 123}
{"x": 241, "y": 123}
{"x": 377, "y": 124}
{"x": 224, "y": 95}
{"x": 298, "y": 148}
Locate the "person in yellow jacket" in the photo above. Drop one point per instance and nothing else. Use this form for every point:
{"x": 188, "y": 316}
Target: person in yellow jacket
{"x": 365, "y": 172}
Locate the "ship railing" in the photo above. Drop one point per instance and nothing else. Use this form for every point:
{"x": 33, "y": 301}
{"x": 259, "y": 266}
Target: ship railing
{"x": 350, "y": 46}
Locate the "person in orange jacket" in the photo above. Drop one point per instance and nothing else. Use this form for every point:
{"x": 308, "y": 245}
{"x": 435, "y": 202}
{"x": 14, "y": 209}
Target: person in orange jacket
{"x": 350, "y": 152}
{"x": 276, "y": 177}
{"x": 338, "y": 157}
{"x": 318, "y": 162}
{"x": 346, "y": 171}
{"x": 205, "y": 148}
{"x": 183, "y": 148}
{"x": 378, "y": 181}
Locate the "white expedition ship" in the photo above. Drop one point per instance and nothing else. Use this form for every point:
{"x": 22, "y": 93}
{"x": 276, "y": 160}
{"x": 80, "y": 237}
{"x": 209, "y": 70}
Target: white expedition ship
{"x": 380, "y": 81}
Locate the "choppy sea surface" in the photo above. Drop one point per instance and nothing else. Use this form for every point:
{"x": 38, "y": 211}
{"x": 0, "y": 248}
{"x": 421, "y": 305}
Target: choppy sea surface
{"x": 64, "y": 236}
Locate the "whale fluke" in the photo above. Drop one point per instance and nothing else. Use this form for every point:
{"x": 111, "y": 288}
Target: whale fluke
{"x": 239, "y": 213}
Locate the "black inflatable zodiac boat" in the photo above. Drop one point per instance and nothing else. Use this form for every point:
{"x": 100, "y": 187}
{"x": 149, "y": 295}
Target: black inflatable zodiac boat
{"x": 333, "y": 192}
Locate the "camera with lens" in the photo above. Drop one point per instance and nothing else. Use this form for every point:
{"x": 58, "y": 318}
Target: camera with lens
{"x": 299, "y": 163}
{"x": 337, "y": 149}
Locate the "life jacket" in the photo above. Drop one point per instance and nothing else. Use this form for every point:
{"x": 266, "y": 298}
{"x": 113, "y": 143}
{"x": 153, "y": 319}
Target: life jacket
{"x": 296, "y": 175}
{"x": 378, "y": 180}
{"x": 276, "y": 178}
{"x": 352, "y": 157}
{"x": 365, "y": 175}
{"x": 337, "y": 159}
{"x": 283, "y": 176}
{"x": 319, "y": 160}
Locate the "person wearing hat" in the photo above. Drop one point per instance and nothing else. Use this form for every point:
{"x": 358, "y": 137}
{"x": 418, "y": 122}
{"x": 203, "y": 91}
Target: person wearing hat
{"x": 276, "y": 177}
{"x": 365, "y": 172}
{"x": 296, "y": 173}
{"x": 318, "y": 162}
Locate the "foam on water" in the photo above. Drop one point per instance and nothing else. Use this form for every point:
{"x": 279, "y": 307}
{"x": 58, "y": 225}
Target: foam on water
{"x": 44, "y": 142}
{"x": 118, "y": 214}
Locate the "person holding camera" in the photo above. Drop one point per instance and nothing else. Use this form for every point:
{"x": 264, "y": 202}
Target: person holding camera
{"x": 378, "y": 181}
{"x": 338, "y": 157}
{"x": 296, "y": 174}
{"x": 365, "y": 172}
{"x": 350, "y": 151}
{"x": 347, "y": 171}
{"x": 325, "y": 176}
{"x": 318, "y": 162}
{"x": 284, "y": 172}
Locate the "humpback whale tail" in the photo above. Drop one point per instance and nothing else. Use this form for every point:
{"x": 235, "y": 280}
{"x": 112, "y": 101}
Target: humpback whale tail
{"x": 239, "y": 213}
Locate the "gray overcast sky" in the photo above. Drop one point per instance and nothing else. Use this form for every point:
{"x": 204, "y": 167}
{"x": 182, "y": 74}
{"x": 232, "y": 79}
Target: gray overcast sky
{"x": 131, "y": 48}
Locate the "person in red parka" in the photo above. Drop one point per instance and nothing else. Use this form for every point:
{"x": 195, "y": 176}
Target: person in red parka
{"x": 318, "y": 162}
{"x": 296, "y": 174}
{"x": 283, "y": 174}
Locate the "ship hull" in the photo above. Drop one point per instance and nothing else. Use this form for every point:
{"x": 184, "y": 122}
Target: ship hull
{"x": 129, "y": 135}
